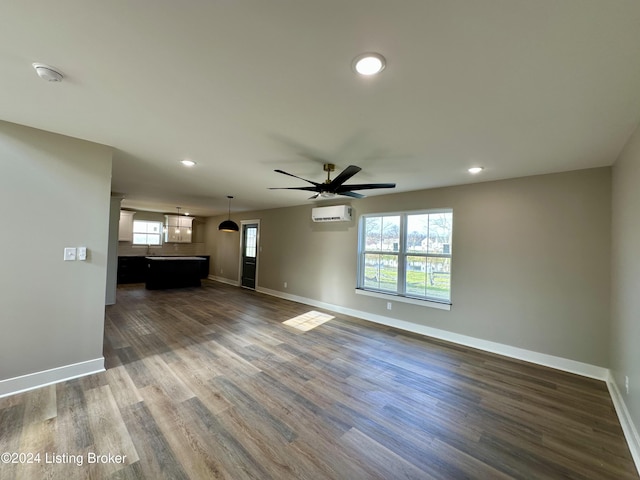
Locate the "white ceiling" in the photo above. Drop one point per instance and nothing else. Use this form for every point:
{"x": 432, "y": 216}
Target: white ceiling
{"x": 243, "y": 87}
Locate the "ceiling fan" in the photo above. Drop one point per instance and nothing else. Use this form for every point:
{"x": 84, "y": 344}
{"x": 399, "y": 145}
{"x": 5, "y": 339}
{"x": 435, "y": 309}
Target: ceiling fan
{"x": 336, "y": 186}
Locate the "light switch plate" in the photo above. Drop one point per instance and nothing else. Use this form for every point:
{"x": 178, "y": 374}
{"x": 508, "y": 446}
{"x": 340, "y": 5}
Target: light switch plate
{"x": 69, "y": 254}
{"x": 82, "y": 253}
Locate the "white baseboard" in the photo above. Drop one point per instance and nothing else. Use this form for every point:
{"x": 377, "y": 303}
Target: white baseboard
{"x": 552, "y": 361}
{"x": 628, "y": 427}
{"x": 228, "y": 281}
{"x": 31, "y": 381}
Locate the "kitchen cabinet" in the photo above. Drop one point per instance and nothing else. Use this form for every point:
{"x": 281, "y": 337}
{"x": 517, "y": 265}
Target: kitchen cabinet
{"x": 132, "y": 269}
{"x": 125, "y": 226}
{"x": 178, "y": 229}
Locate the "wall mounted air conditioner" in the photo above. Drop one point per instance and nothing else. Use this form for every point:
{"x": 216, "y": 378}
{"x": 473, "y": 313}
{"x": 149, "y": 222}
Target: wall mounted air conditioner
{"x": 335, "y": 213}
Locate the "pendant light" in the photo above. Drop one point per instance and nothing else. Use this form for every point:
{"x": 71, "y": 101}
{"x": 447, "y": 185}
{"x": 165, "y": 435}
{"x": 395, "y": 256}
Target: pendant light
{"x": 229, "y": 225}
{"x": 178, "y": 221}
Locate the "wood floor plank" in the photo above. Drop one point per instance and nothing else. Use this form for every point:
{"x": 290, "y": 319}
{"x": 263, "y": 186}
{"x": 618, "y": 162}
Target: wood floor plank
{"x": 110, "y": 433}
{"x": 208, "y": 383}
{"x": 371, "y": 455}
{"x": 192, "y": 451}
{"x": 157, "y": 459}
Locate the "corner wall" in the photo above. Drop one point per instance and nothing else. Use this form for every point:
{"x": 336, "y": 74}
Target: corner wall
{"x": 625, "y": 286}
{"x": 54, "y": 193}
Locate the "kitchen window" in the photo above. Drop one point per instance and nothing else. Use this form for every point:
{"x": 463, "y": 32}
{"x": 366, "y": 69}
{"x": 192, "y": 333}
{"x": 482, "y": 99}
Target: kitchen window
{"x": 147, "y": 233}
{"x": 406, "y": 254}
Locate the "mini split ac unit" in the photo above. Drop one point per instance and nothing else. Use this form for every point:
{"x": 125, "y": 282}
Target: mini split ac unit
{"x": 335, "y": 213}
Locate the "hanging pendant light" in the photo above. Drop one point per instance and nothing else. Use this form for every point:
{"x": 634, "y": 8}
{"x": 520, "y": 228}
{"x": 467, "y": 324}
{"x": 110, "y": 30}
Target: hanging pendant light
{"x": 229, "y": 225}
{"x": 178, "y": 221}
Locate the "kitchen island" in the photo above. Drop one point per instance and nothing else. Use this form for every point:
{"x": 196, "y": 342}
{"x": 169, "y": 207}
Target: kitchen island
{"x": 134, "y": 268}
{"x": 174, "y": 272}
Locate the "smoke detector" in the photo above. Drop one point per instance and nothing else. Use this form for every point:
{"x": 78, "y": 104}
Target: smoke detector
{"x": 48, "y": 73}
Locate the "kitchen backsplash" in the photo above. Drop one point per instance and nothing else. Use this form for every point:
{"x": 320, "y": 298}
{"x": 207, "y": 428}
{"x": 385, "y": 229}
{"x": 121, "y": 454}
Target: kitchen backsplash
{"x": 127, "y": 249}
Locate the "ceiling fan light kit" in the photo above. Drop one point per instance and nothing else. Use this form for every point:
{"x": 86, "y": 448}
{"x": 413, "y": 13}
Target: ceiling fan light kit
{"x": 229, "y": 225}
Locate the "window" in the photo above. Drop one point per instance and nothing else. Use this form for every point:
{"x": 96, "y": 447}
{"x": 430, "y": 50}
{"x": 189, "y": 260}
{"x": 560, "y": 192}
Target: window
{"x": 407, "y": 254}
{"x": 250, "y": 241}
{"x": 147, "y": 233}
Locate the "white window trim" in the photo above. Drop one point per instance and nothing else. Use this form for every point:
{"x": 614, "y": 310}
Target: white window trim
{"x": 424, "y": 302}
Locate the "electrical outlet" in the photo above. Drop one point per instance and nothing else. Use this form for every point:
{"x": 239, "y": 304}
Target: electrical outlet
{"x": 626, "y": 384}
{"x": 388, "y": 305}
{"x": 285, "y": 284}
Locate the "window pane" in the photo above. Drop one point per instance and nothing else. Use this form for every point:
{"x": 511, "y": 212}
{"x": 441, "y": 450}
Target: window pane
{"x": 140, "y": 238}
{"x": 391, "y": 234}
{"x": 428, "y": 277}
{"x": 417, "y": 233}
{"x": 154, "y": 239}
{"x": 373, "y": 233}
{"x": 250, "y": 241}
{"x": 139, "y": 226}
{"x": 381, "y": 272}
{"x": 382, "y": 233}
{"x": 439, "y": 278}
{"x": 440, "y": 227}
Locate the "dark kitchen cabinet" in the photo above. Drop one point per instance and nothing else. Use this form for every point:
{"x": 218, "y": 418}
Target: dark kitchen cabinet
{"x": 132, "y": 269}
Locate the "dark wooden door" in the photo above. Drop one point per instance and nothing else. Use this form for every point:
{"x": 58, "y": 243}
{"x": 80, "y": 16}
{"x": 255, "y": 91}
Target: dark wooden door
{"x": 249, "y": 254}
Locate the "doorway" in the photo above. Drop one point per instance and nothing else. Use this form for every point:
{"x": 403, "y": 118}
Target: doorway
{"x": 249, "y": 241}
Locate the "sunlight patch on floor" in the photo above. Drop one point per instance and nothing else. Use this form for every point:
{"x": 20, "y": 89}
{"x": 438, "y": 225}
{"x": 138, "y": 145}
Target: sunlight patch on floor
{"x": 308, "y": 321}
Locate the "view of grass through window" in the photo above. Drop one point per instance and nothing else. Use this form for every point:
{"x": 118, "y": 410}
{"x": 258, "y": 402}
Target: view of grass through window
{"x": 407, "y": 254}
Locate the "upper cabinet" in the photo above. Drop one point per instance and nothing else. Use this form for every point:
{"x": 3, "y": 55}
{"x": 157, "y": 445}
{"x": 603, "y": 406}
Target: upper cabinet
{"x": 178, "y": 229}
{"x": 125, "y": 227}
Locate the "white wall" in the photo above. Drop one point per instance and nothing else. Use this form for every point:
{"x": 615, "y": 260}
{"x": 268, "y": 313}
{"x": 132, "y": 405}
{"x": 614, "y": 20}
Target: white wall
{"x": 54, "y": 193}
{"x": 625, "y": 321}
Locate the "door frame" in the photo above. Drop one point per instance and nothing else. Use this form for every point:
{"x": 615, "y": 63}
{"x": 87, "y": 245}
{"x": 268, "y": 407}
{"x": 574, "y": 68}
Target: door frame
{"x": 258, "y": 250}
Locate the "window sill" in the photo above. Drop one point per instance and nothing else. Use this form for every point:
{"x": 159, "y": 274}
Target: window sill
{"x": 401, "y": 299}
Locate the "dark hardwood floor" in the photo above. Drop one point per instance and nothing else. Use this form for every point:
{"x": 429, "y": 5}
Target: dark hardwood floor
{"x": 208, "y": 382}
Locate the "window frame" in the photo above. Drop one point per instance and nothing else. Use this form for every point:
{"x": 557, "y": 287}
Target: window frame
{"x": 400, "y": 294}
{"x": 159, "y": 234}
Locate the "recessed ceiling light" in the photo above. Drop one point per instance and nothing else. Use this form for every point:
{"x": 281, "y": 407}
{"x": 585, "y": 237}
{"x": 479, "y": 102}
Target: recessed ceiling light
{"x": 187, "y": 163}
{"x": 369, "y": 63}
{"x": 475, "y": 170}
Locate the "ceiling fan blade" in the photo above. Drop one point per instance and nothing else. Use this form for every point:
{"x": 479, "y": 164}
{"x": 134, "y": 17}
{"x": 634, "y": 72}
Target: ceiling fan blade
{"x": 352, "y": 194}
{"x": 313, "y": 197}
{"x": 306, "y": 189}
{"x": 364, "y": 186}
{"x": 345, "y": 175}
{"x": 295, "y": 176}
